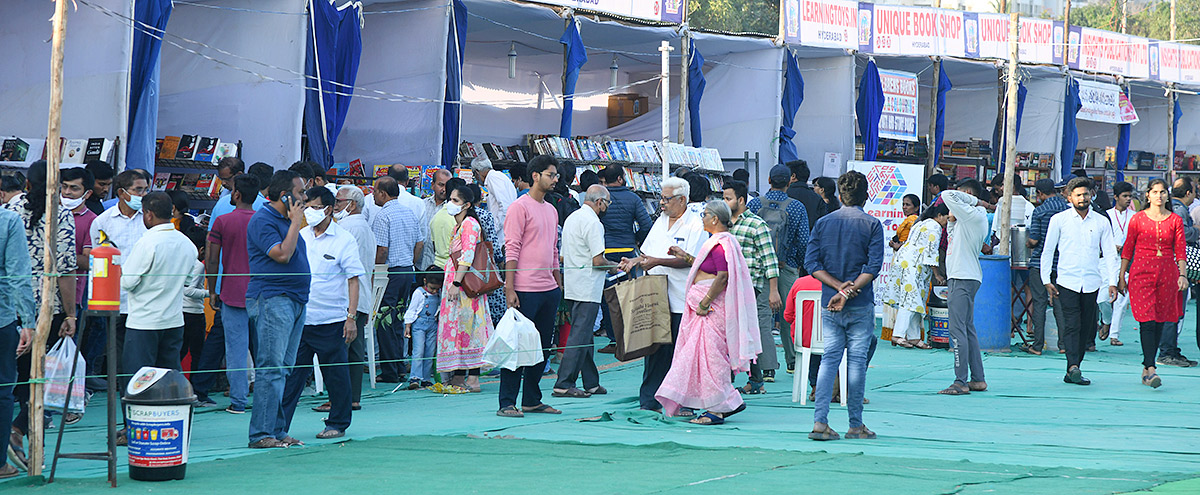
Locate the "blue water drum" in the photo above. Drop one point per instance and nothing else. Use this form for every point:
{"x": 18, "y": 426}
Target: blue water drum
{"x": 993, "y": 304}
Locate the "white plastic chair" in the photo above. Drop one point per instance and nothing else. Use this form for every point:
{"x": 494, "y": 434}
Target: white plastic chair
{"x": 800, "y": 380}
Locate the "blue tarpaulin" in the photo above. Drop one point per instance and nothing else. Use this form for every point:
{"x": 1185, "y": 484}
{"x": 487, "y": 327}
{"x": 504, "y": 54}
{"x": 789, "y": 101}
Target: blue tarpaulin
{"x": 793, "y": 96}
{"x": 696, "y": 85}
{"x": 576, "y": 57}
{"x": 451, "y": 109}
{"x": 869, "y": 108}
{"x": 334, "y": 48}
{"x": 939, "y": 133}
{"x": 152, "y": 17}
{"x": 1175, "y": 128}
{"x": 1070, "y": 132}
{"x": 999, "y": 146}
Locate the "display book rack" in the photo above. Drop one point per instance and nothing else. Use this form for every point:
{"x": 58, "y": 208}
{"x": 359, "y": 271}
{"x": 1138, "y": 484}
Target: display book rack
{"x": 1141, "y": 168}
{"x": 642, "y": 160}
{"x": 18, "y": 153}
{"x": 189, "y": 164}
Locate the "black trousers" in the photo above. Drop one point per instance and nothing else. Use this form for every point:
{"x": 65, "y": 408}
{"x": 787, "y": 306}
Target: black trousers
{"x": 157, "y": 348}
{"x": 1151, "y": 332}
{"x": 1079, "y": 323}
{"x": 391, "y": 337}
{"x": 193, "y": 337}
{"x": 540, "y": 308}
{"x": 657, "y": 366}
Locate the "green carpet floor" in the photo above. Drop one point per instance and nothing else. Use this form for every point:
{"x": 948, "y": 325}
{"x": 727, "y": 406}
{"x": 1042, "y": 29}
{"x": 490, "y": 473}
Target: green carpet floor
{"x": 1030, "y": 433}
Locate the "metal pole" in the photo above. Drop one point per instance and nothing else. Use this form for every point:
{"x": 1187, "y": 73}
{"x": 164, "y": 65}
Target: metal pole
{"x": 665, "y": 48}
{"x": 1171, "y": 96}
{"x": 1010, "y": 135}
{"x": 683, "y": 82}
{"x": 935, "y": 148}
{"x": 46, "y": 312}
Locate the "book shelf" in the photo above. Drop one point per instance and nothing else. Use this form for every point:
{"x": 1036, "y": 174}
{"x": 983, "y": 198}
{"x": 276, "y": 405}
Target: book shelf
{"x": 19, "y": 153}
{"x": 197, "y": 178}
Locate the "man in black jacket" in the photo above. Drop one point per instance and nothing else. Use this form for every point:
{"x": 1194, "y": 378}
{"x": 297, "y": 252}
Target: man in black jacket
{"x": 799, "y": 190}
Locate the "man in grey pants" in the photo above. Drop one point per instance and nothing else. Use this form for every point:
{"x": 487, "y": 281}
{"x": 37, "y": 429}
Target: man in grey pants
{"x": 968, "y": 230}
{"x": 585, "y": 265}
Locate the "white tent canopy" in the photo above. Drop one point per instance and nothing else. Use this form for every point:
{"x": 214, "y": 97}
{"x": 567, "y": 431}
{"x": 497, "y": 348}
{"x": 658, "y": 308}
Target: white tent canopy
{"x": 95, "y": 67}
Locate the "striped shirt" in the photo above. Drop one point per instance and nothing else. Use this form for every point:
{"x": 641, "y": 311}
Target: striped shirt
{"x": 396, "y": 228}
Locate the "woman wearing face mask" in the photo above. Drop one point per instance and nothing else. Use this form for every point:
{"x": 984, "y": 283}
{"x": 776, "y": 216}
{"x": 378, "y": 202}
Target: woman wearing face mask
{"x": 907, "y": 282}
{"x": 497, "y": 305}
{"x": 464, "y": 324}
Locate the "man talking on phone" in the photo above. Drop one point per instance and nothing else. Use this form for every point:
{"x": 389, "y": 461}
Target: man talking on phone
{"x": 275, "y": 299}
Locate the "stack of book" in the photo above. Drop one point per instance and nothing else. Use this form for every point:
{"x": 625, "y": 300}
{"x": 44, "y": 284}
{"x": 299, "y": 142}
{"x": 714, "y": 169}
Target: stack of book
{"x": 194, "y": 148}
{"x": 495, "y": 152}
{"x": 197, "y": 186}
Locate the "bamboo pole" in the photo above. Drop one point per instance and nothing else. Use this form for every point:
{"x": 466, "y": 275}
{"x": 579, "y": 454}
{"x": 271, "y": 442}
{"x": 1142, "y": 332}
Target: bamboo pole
{"x": 935, "y": 147}
{"x": 1067, "y": 16}
{"x": 1010, "y": 135}
{"x": 49, "y": 283}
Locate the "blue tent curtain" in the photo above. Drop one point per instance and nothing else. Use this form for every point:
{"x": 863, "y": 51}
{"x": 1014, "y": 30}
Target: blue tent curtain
{"x": 939, "y": 133}
{"x": 869, "y": 108}
{"x": 332, "y": 66}
{"x": 793, "y": 96}
{"x": 1070, "y": 132}
{"x": 143, "y": 82}
{"x": 999, "y": 148}
{"x": 1175, "y": 129}
{"x": 451, "y": 109}
{"x": 576, "y": 57}
{"x": 696, "y": 85}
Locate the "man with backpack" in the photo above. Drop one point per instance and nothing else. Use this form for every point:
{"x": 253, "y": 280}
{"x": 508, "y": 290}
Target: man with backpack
{"x": 788, "y": 220}
{"x": 753, "y": 234}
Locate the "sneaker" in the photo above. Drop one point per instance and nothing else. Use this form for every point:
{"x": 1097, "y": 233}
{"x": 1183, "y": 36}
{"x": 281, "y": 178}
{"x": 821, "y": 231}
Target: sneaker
{"x": 1173, "y": 361}
{"x": 414, "y": 384}
{"x": 205, "y": 403}
{"x": 769, "y": 376}
{"x": 791, "y": 369}
{"x": 235, "y": 409}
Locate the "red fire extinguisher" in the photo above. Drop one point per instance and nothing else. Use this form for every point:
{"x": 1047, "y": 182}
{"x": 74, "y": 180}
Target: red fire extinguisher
{"x": 104, "y": 277}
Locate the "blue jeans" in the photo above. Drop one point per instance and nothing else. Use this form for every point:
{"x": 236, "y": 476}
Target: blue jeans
{"x": 279, "y": 322}
{"x": 424, "y": 349}
{"x": 9, "y": 335}
{"x": 852, "y": 329}
{"x": 236, "y": 323}
{"x": 327, "y": 342}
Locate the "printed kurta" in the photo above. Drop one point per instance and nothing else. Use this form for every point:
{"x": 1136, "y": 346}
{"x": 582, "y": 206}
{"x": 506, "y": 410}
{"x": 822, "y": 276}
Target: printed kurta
{"x": 907, "y": 284}
{"x": 464, "y": 324}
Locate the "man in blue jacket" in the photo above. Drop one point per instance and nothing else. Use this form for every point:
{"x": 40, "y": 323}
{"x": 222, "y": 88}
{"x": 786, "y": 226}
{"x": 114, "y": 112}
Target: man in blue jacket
{"x": 626, "y": 224}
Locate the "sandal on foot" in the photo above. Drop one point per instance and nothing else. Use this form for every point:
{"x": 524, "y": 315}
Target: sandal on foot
{"x": 323, "y": 408}
{"x": 291, "y": 441}
{"x": 863, "y": 434}
{"x": 1116, "y": 342}
{"x": 956, "y": 389}
{"x": 268, "y": 443}
{"x": 897, "y": 341}
{"x": 824, "y": 435}
{"x": 572, "y": 393}
{"x": 1152, "y": 381}
{"x": 597, "y": 390}
{"x": 739, "y": 409}
{"x": 684, "y": 412}
{"x": 331, "y": 433}
{"x": 920, "y": 344}
{"x": 979, "y": 386}
{"x": 1028, "y": 348}
{"x": 752, "y": 388}
{"x": 510, "y": 412}
{"x": 708, "y": 419}
{"x": 540, "y": 409}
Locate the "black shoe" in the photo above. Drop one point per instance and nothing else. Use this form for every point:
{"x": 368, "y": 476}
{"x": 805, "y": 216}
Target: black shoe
{"x": 1075, "y": 376}
{"x": 1191, "y": 364}
{"x": 791, "y": 369}
{"x": 1173, "y": 361}
{"x": 387, "y": 379}
{"x": 769, "y": 376}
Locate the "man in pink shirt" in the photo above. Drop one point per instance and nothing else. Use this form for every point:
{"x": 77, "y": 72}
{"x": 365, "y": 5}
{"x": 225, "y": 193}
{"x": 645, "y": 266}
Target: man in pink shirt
{"x": 534, "y": 282}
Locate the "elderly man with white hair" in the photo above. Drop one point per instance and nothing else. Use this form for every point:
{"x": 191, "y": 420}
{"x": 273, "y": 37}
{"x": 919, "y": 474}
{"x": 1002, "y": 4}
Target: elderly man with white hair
{"x": 583, "y": 284}
{"x": 500, "y": 190}
{"x": 348, "y": 211}
{"x": 676, "y": 229}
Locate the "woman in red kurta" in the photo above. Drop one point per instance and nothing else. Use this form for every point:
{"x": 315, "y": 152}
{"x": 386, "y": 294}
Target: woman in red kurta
{"x": 1154, "y": 255}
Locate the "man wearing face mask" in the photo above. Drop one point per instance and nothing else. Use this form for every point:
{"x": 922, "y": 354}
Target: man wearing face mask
{"x": 122, "y": 226}
{"x": 348, "y": 213}
{"x": 75, "y": 188}
{"x": 329, "y": 320}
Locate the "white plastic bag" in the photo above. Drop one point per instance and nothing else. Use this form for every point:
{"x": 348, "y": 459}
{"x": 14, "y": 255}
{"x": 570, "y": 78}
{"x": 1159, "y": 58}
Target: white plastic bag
{"x": 58, "y": 375}
{"x": 514, "y": 344}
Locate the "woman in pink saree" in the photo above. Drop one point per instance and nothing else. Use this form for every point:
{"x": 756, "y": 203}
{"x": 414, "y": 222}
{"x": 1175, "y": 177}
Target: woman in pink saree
{"x": 719, "y": 332}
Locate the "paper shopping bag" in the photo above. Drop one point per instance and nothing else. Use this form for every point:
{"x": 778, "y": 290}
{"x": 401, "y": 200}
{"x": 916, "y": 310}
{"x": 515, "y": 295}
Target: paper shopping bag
{"x": 641, "y": 316}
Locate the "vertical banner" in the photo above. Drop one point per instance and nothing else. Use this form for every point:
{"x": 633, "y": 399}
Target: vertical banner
{"x": 866, "y": 29}
{"x": 900, "y": 95}
{"x": 825, "y": 23}
{"x": 887, "y": 183}
{"x": 971, "y": 34}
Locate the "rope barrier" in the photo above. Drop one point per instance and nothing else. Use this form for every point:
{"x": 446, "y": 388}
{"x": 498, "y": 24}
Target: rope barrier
{"x": 292, "y": 274}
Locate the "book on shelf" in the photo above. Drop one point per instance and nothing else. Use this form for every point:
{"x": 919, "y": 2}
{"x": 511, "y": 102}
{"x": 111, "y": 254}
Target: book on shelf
{"x": 14, "y": 150}
{"x": 206, "y": 149}
{"x": 169, "y": 147}
{"x": 94, "y": 150}
{"x": 161, "y": 179}
{"x": 73, "y": 150}
{"x": 224, "y": 150}
{"x": 187, "y": 147}
{"x": 203, "y": 183}
{"x": 174, "y": 181}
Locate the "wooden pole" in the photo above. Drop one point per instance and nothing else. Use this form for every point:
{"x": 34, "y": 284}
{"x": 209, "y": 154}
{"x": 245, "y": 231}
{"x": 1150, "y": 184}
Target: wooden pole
{"x": 683, "y": 83}
{"x": 1124, "y": 16}
{"x": 1067, "y": 16}
{"x": 1172, "y": 20}
{"x": 935, "y": 147}
{"x": 1010, "y": 135}
{"x": 49, "y": 283}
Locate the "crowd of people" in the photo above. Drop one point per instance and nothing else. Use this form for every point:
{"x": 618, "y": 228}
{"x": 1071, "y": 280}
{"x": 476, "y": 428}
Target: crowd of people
{"x": 287, "y": 263}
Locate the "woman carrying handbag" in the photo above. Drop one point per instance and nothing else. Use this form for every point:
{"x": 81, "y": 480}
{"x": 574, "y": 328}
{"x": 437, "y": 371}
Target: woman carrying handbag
{"x": 464, "y": 323}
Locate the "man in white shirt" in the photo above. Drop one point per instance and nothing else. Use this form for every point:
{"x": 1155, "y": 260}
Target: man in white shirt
{"x": 150, "y": 275}
{"x": 1080, "y": 236}
{"x": 1022, "y": 209}
{"x": 583, "y": 285}
{"x": 1119, "y": 216}
{"x": 968, "y": 231}
{"x": 676, "y": 229}
{"x": 348, "y": 208}
{"x": 329, "y": 318}
{"x": 500, "y": 191}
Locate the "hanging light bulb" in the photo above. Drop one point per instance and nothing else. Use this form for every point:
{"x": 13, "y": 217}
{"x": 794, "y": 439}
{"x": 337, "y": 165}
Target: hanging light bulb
{"x": 512, "y": 61}
{"x": 612, "y": 73}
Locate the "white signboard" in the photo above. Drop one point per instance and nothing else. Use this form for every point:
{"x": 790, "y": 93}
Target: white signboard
{"x": 827, "y": 23}
{"x": 1103, "y": 102}
{"x": 887, "y": 183}
{"x": 899, "y": 118}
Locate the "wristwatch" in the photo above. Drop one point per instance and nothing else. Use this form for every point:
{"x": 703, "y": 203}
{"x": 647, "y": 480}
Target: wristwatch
{"x": 457, "y": 283}
{"x": 350, "y": 315}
